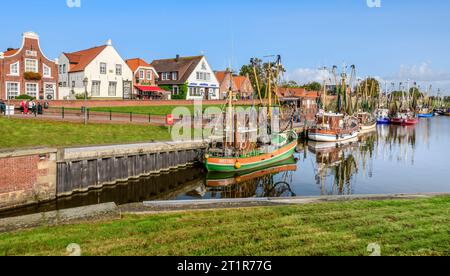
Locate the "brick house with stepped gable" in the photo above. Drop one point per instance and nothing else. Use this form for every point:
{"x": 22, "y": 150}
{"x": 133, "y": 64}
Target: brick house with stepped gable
{"x": 27, "y": 71}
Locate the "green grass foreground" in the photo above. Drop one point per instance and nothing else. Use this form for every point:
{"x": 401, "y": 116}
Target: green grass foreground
{"x": 17, "y": 133}
{"x": 400, "y": 227}
{"x": 153, "y": 110}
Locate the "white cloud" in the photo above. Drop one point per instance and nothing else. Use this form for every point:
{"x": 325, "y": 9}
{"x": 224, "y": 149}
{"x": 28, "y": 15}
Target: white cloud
{"x": 306, "y": 75}
{"x": 424, "y": 75}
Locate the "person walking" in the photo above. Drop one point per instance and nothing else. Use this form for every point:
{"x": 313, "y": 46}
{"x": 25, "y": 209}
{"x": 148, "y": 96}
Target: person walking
{"x": 2, "y": 107}
{"x": 25, "y": 108}
{"x": 22, "y": 106}
{"x": 40, "y": 109}
{"x": 33, "y": 108}
{"x": 30, "y": 106}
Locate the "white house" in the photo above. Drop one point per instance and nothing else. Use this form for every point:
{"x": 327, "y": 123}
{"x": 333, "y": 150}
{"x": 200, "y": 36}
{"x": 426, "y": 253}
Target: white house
{"x": 108, "y": 75}
{"x": 188, "y": 78}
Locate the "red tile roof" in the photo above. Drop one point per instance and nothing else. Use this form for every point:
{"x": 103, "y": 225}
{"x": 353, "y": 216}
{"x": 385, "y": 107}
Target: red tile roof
{"x": 220, "y": 75}
{"x": 10, "y": 52}
{"x": 135, "y": 63}
{"x": 297, "y": 93}
{"x": 81, "y": 59}
{"x": 239, "y": 81}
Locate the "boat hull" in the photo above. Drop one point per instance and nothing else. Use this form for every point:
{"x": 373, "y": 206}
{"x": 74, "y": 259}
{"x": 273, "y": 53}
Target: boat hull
{"x": 404, "y": 122}
{"x": 369, "y": 127}
{"x": 426, "y": 115}
{"x": 324, "y": 137}
{"x": 383, "y": 121}
{"x": 249, "y": 163}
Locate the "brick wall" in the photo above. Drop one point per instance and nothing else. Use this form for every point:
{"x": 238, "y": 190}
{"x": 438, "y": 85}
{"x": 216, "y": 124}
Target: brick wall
{"x": 27, "y": 176}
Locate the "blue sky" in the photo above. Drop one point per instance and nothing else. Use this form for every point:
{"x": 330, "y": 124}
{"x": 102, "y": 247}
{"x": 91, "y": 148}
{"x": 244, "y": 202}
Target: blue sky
{"x": 401, "y": 40}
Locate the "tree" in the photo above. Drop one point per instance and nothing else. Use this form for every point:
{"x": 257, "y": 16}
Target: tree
{"x": 262, "y": 70}
{"x": 289, "y": 84}
{"x": 312, "y": 86}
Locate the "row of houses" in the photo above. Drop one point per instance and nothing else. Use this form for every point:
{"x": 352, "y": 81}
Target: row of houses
{"x": 104, "y": 74}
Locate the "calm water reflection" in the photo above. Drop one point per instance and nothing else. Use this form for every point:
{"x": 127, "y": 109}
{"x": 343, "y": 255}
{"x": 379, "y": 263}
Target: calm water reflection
{"x": 392, "y": 159}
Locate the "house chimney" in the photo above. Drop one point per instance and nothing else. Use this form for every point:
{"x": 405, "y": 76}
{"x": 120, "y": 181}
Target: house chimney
{"x": 177, "y": 58}
{"x": 109, "y": 42}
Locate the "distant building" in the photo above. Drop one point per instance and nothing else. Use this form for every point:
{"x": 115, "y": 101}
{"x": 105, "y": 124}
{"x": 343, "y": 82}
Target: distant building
{"x": 241, "y": 85}
{"x": 108, "y": 75}
{"x": 307, "y": 100}
{"x": 27, "y": 71}
{"x": 187, "y": 78}
{"x": 144, "y": 81}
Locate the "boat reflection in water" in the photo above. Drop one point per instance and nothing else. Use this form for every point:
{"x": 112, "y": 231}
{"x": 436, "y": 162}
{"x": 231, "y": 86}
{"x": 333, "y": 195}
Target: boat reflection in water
{"x": 270, "y": 181}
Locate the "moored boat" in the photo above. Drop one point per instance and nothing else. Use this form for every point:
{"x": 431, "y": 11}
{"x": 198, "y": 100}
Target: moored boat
{"x": 366, "y": 121}
{"x": 405, "y": 119}
{"x": 383, "y": 116}
{"x": 260, "y": 157}
{"x": 332, "y": 127}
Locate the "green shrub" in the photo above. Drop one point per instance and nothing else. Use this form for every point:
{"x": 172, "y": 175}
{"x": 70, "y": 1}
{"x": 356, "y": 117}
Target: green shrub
{"x": 25, "y": 97}
{"x": 80, "y": 96}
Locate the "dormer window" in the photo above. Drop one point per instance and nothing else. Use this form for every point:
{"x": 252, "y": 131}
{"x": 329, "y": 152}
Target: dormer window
{"x": 174, "y": 75}
{"x": 149, "y": 75}
{"x": 141, "y": 74}
{"x": 165, "y": 76}
{"x": 14, "y": 69}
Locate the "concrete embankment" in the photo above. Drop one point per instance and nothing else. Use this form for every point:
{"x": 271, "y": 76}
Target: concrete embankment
{"x": 108, "y": 211}
{"x": 186, "y": 205}
{"x": 39, "y": 175}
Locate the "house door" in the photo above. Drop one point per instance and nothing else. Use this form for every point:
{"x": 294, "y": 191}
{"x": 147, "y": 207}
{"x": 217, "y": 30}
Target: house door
{"x": 206, "y": 96}
{"x": 49, "y": 92}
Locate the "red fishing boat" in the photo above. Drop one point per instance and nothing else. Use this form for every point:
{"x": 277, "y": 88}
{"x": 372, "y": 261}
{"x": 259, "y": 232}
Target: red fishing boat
{"x": 405, "y": 119}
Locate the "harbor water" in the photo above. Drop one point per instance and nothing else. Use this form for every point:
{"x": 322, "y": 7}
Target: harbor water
{"x": 389, "y": 160}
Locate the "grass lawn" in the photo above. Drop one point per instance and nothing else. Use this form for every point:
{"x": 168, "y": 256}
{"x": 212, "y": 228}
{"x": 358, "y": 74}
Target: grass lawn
{"x": 16, "y": 133}
{"x": 154, "y": 110}
{"x": 400, "y": 227}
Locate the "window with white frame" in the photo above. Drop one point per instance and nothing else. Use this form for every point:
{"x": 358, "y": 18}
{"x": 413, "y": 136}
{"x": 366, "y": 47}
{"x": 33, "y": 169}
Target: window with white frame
{"x": 112, "y": 89}
{"x": 95, "y": 90}
{"x": 31, "y": 65}
{"x": 174, "y": 75}
{"x": 14, "y": 69}
{"x": 103, "y": 68}
{"x": 149, "y": 75}
{"x": 175, "y": 90}
{"x": 165, "y": 76}
{"x": 118, "y": 69}
{"x": 141, "y": 74}
{"x": 31, "y": 89}
{"x": 47, "y": 71}
{"x": 12, "y": 89}
{"x": 64, "y": 68}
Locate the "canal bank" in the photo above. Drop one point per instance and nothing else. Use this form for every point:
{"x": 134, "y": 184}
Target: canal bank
{"x": 409, "y": 227}
{"x": 36, "y": 176}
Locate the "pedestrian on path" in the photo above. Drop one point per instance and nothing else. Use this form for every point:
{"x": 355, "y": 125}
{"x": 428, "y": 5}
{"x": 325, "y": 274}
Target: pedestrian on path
{"x": 22, "y": 106}
{"x": 40, "y": 110}
{"x": 25, "y": 108}
{"x": 33, "y": 108}
{"x": 2, "y": 107}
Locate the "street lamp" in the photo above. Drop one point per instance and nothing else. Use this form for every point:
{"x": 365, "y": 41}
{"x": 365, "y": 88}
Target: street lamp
{"x": 85, "y": 83}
